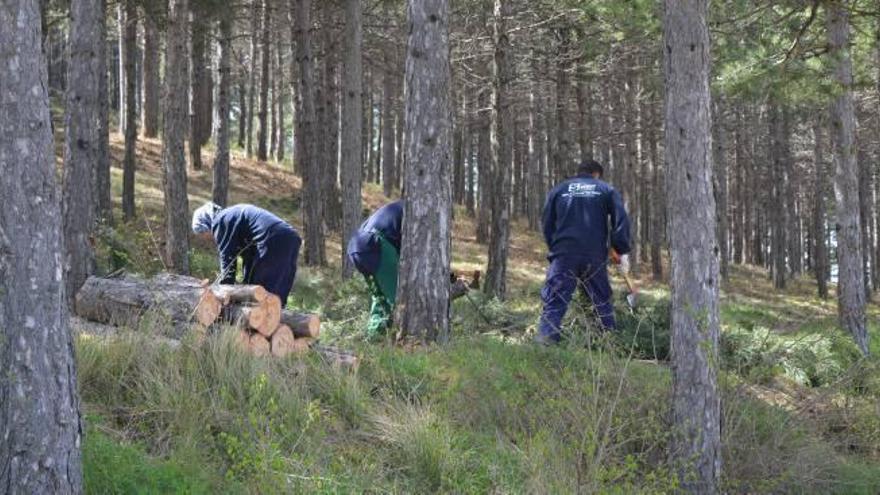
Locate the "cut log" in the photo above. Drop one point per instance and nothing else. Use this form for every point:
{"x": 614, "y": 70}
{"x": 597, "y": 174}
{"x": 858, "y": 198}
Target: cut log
{"x": 243, "y": 339}
{"x": 338, "y": 357}
{"x": 208, "y": 308}
{"x": 228, "y": 294}
{"x": 259, "y": 346}
{"x": 302, "y": 324}
{"x": 271, "y": 307}
{"x": 302, "y": 344}
{"x": 282, "y": 341}
{"x": 177, "y": 302}
{"x": 262, "y": 317}
{"x": 248, "y": 317}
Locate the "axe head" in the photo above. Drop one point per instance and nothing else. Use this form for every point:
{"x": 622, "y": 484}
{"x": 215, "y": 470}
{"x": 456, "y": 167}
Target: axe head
{"x": 631, "y": 301}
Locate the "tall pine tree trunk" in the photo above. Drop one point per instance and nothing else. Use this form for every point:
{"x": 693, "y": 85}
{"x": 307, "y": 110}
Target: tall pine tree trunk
{"x": 252, "y": 79}
{"x": 313, "y": 220}
{"x": 820, "y": 248}
{"x": 101, "y": 170}
{"x": 281, "y": 90}
{"x": 332, "y": 204}
{"x": 40, "y": 424}
{"x": 265, "y": 56}
{"x": 484, "y": 164}
{"x": 502, "y": 152}
{"x": 423, "y": 296}
{"x": 151, "y": 74}
{"x": 389, "y": 167}
{"x": 220, "y": 189}
{"x": 777, "y": 190}
{"x": 851, "y": 282}
{"x": 130, "y": 81}
{"x": 658, "y": 192}
{"x": 199, "y": 108}
{"x": 721, "y": 185}
{"x": 696, "y": 403}
{"x": 563, "y": 164}
{"x": 352, "y": 118}
{"x": 82, "y": 140}
{"x": 174, "y": 128}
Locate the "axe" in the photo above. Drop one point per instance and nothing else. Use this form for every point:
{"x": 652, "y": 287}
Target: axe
{"x": 632, "y": 291}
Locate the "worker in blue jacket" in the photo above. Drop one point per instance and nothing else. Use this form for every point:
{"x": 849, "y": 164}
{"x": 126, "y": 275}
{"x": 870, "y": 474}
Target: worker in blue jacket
{"x": 581, "y": 216}
{"x": 268, "y": 246}
{"x": 374, "y": 250}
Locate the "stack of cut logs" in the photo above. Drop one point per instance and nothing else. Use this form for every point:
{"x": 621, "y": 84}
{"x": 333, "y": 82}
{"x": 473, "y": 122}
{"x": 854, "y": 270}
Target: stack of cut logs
{"x": 264, "y": 328}
{"x": 256, "y": 314}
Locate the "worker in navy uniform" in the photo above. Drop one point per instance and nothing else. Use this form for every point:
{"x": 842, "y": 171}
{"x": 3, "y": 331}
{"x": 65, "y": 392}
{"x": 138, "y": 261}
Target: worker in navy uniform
{"x": 268, "y": 246}
{"x": 583, "y": 217}
{"x": 374, "y": 250}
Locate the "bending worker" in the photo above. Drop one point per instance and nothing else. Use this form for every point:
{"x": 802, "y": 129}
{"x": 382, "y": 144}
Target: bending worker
{"x": 375, "y": 251}
{"x": 579, "y": 216}
{"x": 268, "y": 246}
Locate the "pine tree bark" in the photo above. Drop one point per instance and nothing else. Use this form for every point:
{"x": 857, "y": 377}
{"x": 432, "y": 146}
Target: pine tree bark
{"x": 314, "y": 254}
{"x": 252, "y": 79}
{"x": 101, "y": 170}
{"x": 352, "y": 111}
{"x": 658, "y": 193}
{"x": 484, "y": 165}
{"x": 281, "y": 91}
{"x": 242, "y": 101}
{"x": 151, "y": 75}
{"x": 778, "y": 215}
{"x": 791, "y": 193}
{"x": 263, "y": 116}
{"x": 865, "y": 218}
{"x": 330, "y": 131}
{"x": 199, "y": 75}
{"x": 696, "y": 404}
{"x": 501, "y": 138}
{"x": 739, "y": 204}
{"x": 120, "y": 66}
{"x": 129, "y": 45}
{"x": 174, "y": 128}
{"x": 585, "y": 112}
{"x": 563, "y": 164}
{"x": 851, "y": 283}
{"x": 389, "y": 167}
{"x": 820, "y": 248}
{"x": 39, "y": 409}
{"x": 721, "y": 186}
{"x": 536, "y": 152}
{"x": 220, "y": 188}
{"x": 423, "y": 296}
{"x": 82, "y": 140}
{"x": 458, "y": 138}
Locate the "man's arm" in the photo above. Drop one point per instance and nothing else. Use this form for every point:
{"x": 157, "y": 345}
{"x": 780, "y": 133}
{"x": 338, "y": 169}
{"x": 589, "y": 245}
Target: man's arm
{"x": 620, "y": 238}
{"x": 228, "y": 247}
{"x": 549, "y": 217}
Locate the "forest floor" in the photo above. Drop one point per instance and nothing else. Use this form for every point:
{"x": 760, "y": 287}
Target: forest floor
{"x": 488, "y": 413}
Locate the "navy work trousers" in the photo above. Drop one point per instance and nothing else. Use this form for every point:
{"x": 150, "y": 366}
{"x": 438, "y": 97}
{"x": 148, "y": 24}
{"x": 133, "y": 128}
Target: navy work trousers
{"x": 565, "y": 274}
{"x": 277, "y": 269}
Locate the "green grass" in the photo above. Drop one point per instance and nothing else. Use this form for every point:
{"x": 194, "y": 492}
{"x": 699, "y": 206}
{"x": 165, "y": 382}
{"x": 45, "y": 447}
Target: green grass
{"x": 113, "y": 466}
{"x": 488, "y": 413}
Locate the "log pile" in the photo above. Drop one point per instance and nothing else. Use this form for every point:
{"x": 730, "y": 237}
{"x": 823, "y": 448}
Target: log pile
{"x": 263, "y": 327}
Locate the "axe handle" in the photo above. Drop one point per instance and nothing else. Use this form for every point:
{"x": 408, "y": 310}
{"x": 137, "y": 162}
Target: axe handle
{"x": 629, "y": 284}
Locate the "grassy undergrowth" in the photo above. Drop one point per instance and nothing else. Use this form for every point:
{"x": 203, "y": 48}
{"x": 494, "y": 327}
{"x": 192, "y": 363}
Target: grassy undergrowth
{"x": 488, "y": 413}
{"x": 479, "y": 416}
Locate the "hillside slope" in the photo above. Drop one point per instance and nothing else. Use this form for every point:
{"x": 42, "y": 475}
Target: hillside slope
{"x": 489, "y": 413}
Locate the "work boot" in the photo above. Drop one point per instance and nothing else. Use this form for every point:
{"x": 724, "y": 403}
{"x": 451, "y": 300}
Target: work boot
{"x": 544, "y": 340}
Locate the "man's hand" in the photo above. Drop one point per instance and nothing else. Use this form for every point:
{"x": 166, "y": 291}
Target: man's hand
{"x": 614, "y": 257}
